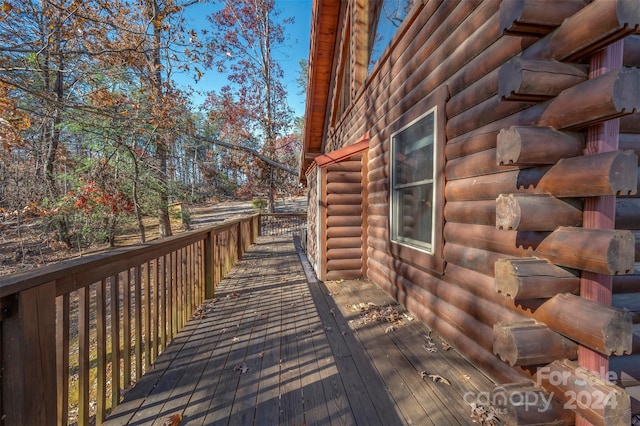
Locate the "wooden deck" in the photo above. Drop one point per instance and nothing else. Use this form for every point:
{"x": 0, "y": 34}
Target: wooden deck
{"x": 276, "y": 347}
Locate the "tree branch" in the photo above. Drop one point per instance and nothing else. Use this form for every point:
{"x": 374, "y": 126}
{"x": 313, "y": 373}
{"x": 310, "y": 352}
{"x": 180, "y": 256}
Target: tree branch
{"x": 246, "y": 149}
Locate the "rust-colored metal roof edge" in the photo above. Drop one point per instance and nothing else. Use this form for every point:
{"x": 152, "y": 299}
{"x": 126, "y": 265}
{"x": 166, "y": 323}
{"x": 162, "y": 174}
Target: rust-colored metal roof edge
{"x": 340, "y": 154}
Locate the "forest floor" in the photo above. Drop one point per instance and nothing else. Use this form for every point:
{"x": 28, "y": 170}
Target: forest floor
{"x": 29, "y": 245}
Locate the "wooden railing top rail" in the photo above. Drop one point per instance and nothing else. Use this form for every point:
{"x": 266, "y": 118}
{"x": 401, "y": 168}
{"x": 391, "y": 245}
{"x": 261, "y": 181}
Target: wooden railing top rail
{"x": 77, "y": 273}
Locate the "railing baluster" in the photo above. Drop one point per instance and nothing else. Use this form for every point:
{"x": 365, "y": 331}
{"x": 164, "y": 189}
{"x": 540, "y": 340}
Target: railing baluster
{"x": 101, "y": 351}
{"x": 163, "y": 303}
{"x": 115, "y": 340}
{"x": 147, "y": 316}
{"x": 62, "y": 357}
{"x": 156, "y": 308}
{"x": 126, "y": 328}
{"x": 137, "y": 278}
{"x": 170, "y": 296}
{"x": 83, "y": 356}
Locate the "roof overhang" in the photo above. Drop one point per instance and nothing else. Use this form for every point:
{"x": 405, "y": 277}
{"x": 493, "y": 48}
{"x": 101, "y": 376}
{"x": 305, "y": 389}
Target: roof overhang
{"x": 324, "y": 27}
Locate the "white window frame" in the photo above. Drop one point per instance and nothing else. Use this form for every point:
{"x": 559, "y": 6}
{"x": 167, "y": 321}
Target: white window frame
{"x": 394, "y": 207}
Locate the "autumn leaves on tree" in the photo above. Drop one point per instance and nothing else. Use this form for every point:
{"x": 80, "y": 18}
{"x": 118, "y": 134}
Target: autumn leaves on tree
{"x": 95, "y": 131}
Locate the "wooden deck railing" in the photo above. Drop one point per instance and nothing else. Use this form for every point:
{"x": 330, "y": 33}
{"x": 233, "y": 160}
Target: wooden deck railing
{"x": 76, "y": 335}
{"x": 282, "y": 223}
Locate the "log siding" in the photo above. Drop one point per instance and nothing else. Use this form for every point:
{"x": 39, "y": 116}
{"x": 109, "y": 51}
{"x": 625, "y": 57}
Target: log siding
{"x": 517, "y": 108}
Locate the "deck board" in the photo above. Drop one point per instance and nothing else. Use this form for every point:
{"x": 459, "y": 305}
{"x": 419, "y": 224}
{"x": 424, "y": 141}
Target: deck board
{"x": 310, "y": 361}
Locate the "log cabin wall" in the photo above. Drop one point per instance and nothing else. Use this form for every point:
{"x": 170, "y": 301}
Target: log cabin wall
{"x": 510, "y": 82}
{"x": 313, "y": 215}
{"x": 343, "y": 244}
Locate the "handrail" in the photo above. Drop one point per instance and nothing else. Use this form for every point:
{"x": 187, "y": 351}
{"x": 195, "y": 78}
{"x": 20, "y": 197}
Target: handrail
{"x": 112, "y": 313}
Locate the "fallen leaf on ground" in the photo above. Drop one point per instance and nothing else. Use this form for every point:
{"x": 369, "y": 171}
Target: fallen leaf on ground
{"x": 390, "y": 329}
{"x": 236, "y": 339}
{"x": 435, "y": 377}
{"x": 445, "y": 346}
{"x": 465, "y": 377}
{"x": 261, "y": 354}
{"x": 233, "y": 295}
{"x": 242, "y": 367}
{"x": 428, "y": 348}
{"x": 173, "y": 420}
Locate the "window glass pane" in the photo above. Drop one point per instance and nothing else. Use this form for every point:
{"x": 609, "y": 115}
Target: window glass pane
{"x": 415, "y": 213}
{"x": 414, "y": 152}
{"x": 387, "y": 16}
{"x": 413, "y": 183}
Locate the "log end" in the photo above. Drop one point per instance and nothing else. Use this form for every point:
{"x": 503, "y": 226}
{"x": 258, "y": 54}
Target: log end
{"x": 621, "y": 252}
{"x": 507, "y": 212}
{"x": 619, "y": 334}
{"x": 623, "y": 173}
{"x": 505, "y": 278}
{"x": 508, "y": 146}
{"x": 626, "y": 90}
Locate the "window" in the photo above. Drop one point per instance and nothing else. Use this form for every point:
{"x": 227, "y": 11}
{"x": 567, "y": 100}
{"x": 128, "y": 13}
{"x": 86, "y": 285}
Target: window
{"x": 413, "y": 160}
{"x": 386, "y": 17}
{"x": 416, "y": 183}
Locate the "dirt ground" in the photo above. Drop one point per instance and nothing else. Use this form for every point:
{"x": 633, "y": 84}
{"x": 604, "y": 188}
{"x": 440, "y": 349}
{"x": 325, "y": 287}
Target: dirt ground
{"x": 28, "y": 246}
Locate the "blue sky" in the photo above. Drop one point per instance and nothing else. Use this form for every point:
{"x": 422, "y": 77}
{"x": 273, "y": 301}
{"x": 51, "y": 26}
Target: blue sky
{"x": 297, "y": 47}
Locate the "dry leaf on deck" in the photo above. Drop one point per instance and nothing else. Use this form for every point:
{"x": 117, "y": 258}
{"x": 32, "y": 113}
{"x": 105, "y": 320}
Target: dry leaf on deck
{"x": 242, "y": 367}
{"x": 173, "y": 420}
{"x": 390, "y": 329}
{"x": 435, "y": 377}
{"x": 236, "y": 339}
{"x": 445, "y": 346}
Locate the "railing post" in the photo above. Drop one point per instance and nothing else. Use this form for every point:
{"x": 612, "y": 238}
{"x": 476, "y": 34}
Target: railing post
{"x": 209, "y": 284}
{"x": 260, "y": 225}
{"x": 29, "y": 390}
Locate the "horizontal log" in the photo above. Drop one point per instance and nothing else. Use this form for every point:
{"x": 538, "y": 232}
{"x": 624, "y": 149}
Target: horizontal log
{"x": 595, "y": 399}
{"x": 477, "y": 212}
{"x": 348, "y": 242}
{"x": 354, "y": 166}
{"x": 344, "y": 199}
{"x": 630, "y": 123}
{"x": 344, "y": 188}
{"x": 538, "y": 17}
{"x": 604, "y": 329}
{"x": 603, "y": 251}
{"x": 485, "y": 112}
{"x": 473, "y": 94}
{"x": 489, "y": 238}
{"x": 626, "y": 284}
{"x": 344, "y": 274}
{"x": 624, "y": 370}
{"x": 628, "y": 213}
{"x": 523, "y": 79}
{"x": 587, "y": 31}
{"x": 344, "y": 253}
{"x": 523, "y": 212}
{"x": 530, "y": 343}
{"x": 532, "y": 278}
{"x": 353, "y": 220}
{"x": 344, "y": 231}
{"x": 631, "y": 51}
{"x": 344, "y": 210}
{"x": 378, "y": 220}
{"x": 525, "y": 404}
{"x": 628, "y": 302}
{"x": 477, "y": 164}
{"x": 470, "y": 143}
{"x": 344, "y": 177}
{"x": 472, "y": 258}
{"x": 599, "y": 99}
{"x": 343, "y": 264}
{"x": 610, "y": 173}
{"x": 521, "y": 145}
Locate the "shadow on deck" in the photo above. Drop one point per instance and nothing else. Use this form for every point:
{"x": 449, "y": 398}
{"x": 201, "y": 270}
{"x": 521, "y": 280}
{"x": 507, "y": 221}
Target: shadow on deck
{"x": 278, "y": 347}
